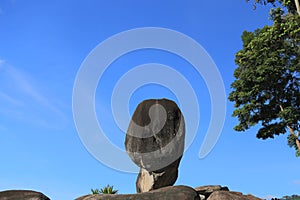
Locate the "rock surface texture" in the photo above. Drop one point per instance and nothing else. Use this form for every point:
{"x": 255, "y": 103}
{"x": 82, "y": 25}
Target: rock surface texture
{"x": 22, "y": 195}
{"x": 217, "y": 192}
{"x": 211, "y": 192}
{"x": 206, "y": 191}
{"x": 166, "y": 193}
{"x": 230, "y": 195}
{"x": 155, "y": 142}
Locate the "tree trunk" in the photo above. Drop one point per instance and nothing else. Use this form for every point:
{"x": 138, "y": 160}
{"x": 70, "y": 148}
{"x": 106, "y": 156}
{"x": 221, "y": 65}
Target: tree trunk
{"x": 297, "y": 6}
{"x": 298, "y": 144}
{"x": 293, "y": 133}
{"x": 296, "y": 136}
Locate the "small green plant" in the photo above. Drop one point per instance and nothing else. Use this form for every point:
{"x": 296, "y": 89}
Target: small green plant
{"x": 95, "y": 191}
{"x": 106, "y": 190}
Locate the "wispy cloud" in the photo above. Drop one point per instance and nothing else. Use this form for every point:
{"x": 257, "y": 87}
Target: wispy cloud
{"x": 22, "y": 80}
{"x": 10, "y": 99}
{"x": 19, "y": 89}
{"x": 297, "y": 182}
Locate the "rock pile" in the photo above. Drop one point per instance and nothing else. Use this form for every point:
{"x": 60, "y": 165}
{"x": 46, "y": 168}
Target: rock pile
{"x": 212, "y": 192}
{"x": 217, "y": 192}
{"x": 155, "y": 142}
{"x": 166, "y": 193}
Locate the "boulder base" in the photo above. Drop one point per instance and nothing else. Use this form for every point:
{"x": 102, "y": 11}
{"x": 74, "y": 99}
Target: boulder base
{"x": 166, "y": 193}
{"x": 210, "y": 192}
{"x": 147, "y": 181}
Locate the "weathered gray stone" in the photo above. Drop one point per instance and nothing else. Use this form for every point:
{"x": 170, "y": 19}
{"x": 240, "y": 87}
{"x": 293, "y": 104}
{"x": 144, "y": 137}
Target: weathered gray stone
{"x": 155, "y": 142}
{"x": 148, "y": 181}
{"x": 208, "y": 189}
{"x": 166, "y": 193}
{"x": 230, "y": 196}
{"x": 22, "y": 195}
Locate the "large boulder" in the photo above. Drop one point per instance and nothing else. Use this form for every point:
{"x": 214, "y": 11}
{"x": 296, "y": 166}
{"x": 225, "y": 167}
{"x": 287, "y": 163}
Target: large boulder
{"x": 230, "y": 195}
{"x": 166, "y": 193}
{"x": 22, "y": 194}
{"x": 155, "y": 142}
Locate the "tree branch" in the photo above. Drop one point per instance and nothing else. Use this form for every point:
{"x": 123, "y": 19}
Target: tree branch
{"x": 297, "y": 6}
{"x": 292, "y": 132}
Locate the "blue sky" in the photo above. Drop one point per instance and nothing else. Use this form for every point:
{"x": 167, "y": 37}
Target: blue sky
{"x": 42, "y": 46}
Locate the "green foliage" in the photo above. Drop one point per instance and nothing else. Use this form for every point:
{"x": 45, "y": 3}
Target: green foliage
{"x": 297, "y": 155}
{"x": 293, "y": 197}
{"x": 267, "y": 86}
{"x": 105, "y": 190}
{"x": 292, "y": 140}
{"x": 108, "y": 190}
{"x": 289, "y": 4}
{"x": 95, "y": 191}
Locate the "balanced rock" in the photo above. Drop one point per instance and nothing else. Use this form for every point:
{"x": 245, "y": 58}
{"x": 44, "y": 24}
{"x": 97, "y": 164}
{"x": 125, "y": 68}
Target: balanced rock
{"x": 155, "y": 142}
{"x": 22, "y": 194}
{"x": 166, "y": 193}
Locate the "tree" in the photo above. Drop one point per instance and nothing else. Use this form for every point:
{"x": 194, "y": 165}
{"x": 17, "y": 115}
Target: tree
{"x": 293, "y": 197}
{"x": 106, "y": 190}
{"x": 266, "y": 90}
{"x": 292, "y": 5}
